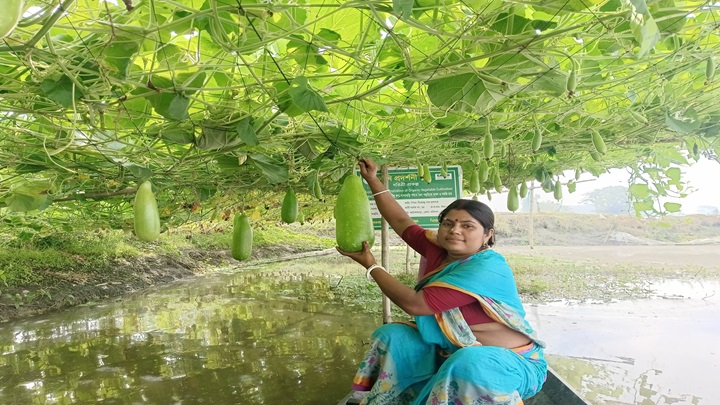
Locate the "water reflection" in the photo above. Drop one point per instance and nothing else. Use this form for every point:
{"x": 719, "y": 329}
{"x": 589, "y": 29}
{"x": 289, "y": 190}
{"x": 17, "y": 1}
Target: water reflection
{"x": 273, "y": 338}
{"x": 203, "y": 341}
{"x": 650, "y": 351}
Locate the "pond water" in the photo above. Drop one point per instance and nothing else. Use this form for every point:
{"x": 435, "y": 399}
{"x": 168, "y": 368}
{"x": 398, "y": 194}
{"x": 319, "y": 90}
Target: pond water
{"x": 241, "y": 338}
{"x": 661, "y": 350}
{"x": 254, "y": 337}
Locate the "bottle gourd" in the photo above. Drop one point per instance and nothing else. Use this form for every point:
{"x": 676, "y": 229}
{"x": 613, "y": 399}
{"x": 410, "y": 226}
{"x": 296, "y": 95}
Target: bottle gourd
{"x": 146, "y": 215}
{"x": 242, "y": 238}
{"x": 353, "y": 223}
{"x": 289, "y": 210}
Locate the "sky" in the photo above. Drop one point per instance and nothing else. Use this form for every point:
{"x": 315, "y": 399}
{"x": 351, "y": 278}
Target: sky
{"x": 702, "y": 178}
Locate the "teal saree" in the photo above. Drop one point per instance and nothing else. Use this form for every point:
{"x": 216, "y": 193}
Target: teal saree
{"x": 437, "y": 360}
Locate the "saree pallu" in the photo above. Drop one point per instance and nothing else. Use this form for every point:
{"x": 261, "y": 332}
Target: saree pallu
{"x": 437, "y": 360}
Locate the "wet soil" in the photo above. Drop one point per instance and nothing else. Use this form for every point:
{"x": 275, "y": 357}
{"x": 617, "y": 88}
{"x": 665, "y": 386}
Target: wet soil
{"x": 122, "y": 277}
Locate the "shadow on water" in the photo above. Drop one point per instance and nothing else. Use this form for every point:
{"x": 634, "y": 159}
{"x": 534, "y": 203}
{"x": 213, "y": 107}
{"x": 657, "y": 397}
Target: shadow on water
{"x": 243, "y": 338}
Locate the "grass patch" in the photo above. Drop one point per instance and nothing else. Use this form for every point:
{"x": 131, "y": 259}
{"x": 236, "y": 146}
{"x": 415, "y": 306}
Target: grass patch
{"x": 30, "y": 259}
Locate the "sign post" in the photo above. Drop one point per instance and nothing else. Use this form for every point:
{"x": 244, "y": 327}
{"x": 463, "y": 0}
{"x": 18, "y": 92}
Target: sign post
{"x": 423, "y": 201}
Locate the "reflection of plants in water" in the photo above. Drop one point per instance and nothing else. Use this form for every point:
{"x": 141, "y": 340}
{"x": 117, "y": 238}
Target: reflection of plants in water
{"x": 251, "y": 337}
{"x": 604, "y": 382}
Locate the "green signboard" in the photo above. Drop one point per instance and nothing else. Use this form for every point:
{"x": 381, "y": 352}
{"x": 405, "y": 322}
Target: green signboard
{"x": 423, "y": 201}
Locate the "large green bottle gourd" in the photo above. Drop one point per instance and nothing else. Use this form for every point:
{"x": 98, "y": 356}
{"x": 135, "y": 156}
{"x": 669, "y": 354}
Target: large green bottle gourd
{"x": 11, "y": 14}
{"x": 242, "y": 237}
{"x": 146, "y": 215}
{"x": 353, "y": 223}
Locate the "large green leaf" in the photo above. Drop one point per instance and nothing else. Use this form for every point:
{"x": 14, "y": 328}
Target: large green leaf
{"x": 275, "y": 171}
{"x": 61, "y": 90}
{"x": 121, "y": 51}
{"x": 643, "y": 26}
{"x": 304, "y": 97}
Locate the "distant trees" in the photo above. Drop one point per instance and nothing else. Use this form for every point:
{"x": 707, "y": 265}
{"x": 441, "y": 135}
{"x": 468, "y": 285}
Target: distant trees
{"x": 609, "y": 200}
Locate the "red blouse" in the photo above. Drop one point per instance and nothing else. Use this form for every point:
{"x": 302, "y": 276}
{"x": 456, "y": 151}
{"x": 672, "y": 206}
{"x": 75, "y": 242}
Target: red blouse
{"x": 440, "y": 299}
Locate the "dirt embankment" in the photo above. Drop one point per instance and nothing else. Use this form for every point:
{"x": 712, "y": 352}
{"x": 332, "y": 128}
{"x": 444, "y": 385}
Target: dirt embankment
{"x": 696, "y": 240}
{"x": 123, "y": 276}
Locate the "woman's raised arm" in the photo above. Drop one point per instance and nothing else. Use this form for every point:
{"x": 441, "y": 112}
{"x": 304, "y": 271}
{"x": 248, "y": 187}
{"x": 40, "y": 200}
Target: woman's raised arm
{"x": 389, "y": 208}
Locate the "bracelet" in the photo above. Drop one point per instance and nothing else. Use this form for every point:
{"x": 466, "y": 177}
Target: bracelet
{"x": 371, "y": 268}
{"x": 380, "y": 192}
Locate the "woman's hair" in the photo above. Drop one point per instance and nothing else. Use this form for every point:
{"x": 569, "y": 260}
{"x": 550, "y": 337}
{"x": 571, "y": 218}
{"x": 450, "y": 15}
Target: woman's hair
{"x": 477, "y": 210}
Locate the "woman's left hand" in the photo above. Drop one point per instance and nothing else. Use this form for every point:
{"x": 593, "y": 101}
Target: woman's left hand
{"x": 364, "y": 257}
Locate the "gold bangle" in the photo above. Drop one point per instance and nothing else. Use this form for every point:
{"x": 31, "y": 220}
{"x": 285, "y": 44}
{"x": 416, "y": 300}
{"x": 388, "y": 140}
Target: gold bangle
{"x": 380, "y": 192}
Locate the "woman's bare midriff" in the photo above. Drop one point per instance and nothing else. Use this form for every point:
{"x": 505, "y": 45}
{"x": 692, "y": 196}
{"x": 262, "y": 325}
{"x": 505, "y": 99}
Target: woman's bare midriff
{"x": 496, "y": 334}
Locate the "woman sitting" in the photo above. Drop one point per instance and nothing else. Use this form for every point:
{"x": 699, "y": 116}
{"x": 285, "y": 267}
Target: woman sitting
{"x": 470, "y": 342}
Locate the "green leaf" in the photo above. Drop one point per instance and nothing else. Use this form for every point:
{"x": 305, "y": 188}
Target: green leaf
{"x": 217, "y": 136}
{"x": 275, "y": 172}
{"x": 120, "y": 52}
{"x": 329, "y": 35}
{"x": 403, "y": 8}
{"x": 62, "y": 91}
{"x": 684, "y": 123}
{"x": 139, "y": 171}
{"x": 669, "y": 156}
{"x": 304, "y": 97}
{"x": 639, "y": 191}
{"x": 190, "y": 82}
{"x": 643, "y": 27}
{"x": 180, "y": 135}
{"x": 460, "y": 92}
{"x": 672, "y": 207}
{"x": 172, "y": 106}
{"x": 674, "y": 174}
{"x": 552, "y": 81}
{"x": 23, "y": 202}
{"x": 285, "y": 101}
{"x": 246, "y": 131}
{"x": 644, "y": 205}
{"x": 640, "y": 6}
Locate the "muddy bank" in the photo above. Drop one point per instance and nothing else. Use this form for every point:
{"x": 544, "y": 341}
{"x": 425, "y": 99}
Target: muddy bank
{"x": 123, "y": 276}
{"x": 67, "y": 289}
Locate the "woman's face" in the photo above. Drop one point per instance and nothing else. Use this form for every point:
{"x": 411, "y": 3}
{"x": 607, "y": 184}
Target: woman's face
{"x": 461, "y": 234}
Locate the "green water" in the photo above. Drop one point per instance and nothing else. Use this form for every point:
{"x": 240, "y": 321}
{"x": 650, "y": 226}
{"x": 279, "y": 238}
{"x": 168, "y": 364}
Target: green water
{"x": 243, "y": 338}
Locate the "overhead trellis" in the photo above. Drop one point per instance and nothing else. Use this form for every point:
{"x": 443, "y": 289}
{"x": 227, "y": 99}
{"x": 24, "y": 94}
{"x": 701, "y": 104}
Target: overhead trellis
{"x": 220, "y": 100}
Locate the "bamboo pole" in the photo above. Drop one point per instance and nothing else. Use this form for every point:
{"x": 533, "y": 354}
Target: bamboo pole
{"x": 531, "y": 226}
{"x": 384, "y": 237}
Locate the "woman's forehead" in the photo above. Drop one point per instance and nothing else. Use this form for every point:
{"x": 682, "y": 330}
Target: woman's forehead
{"x": 460, "y": 215}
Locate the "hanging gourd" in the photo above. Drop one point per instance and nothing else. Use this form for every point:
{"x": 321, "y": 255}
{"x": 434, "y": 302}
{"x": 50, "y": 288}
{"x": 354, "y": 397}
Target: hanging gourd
{"x": 489, "y": 145}
{"x": 146, "y": 214}
{"x": 475, "y": 156}
{"x": 598, "y": 142}
{"x": 557, "y": 193}
{"x": 513, "y": 203}
{"x": 242, "y": 239}
{"x": 474, "y": 181}
{"x": 483, "y": 171}
{"x": 289, "y": 210}
{"x": 12, "y": 11}
{"x": 353, "y": 223}
{"x": 427, "y": 178}
{"x": 537, "y": 138}
{"x": 523, "y": 189}
{"x": 444, "y": 169}
{"x": 497, "y": 182}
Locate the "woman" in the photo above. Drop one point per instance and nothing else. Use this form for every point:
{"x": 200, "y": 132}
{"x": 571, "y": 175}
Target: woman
{"x": 470, "y": 343}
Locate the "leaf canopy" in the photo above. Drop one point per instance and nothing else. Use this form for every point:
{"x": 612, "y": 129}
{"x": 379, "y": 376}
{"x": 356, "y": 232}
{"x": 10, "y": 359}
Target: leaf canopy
{"x": 253, "y": 96}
